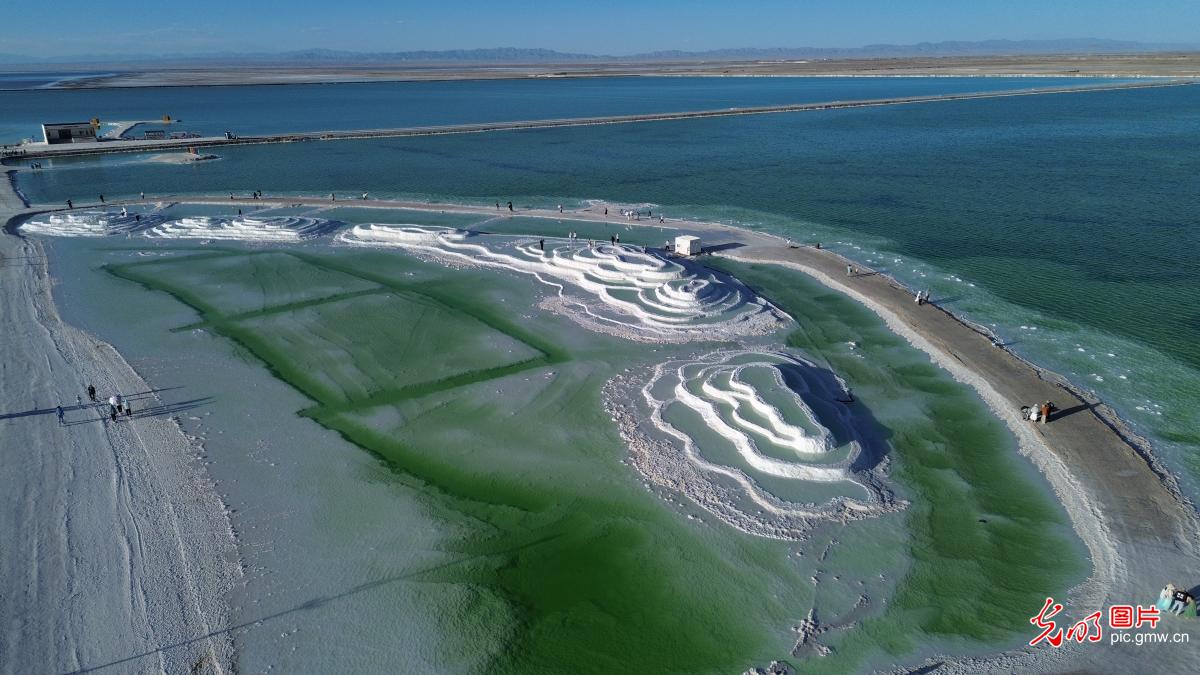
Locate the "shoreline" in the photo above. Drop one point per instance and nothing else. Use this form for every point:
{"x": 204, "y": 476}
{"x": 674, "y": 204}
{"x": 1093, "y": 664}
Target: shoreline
{"x": 400, "y": 79}
{"x": 1178, "y": 62}
{"x": 1129, "y": 512}
{"x": 120, "y": 527}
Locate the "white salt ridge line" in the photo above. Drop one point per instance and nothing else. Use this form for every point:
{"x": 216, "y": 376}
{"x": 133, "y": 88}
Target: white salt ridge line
{"x": 802, "y": 444}
{"x": 673, "y": 299}
{"x": 90, "y": 224}
{"x": 780, "y": 432}
{"x": 784, "y": 520}
{"x": 275, "y": 229}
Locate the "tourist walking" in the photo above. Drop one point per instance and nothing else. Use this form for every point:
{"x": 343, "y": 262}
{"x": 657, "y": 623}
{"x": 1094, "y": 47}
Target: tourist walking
{"x": 1045, "y": 412}
{"x": 91, "y": 393}
{"x": 101, "y": 199}
{"x": 112, "y": 413}
{"x": 70, "y": 205}
{"x": 1180, "y": 599}
{"x": 541, "y": 244}
{"x": 849, "y": 270}
{"x": 510, "y": 206}
{"x": 59, "y": 411}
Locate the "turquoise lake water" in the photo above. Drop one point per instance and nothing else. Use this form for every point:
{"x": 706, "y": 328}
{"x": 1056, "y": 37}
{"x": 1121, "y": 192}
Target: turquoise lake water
{"x": 321, "y": 107}
{"x": 1069, "y": 223}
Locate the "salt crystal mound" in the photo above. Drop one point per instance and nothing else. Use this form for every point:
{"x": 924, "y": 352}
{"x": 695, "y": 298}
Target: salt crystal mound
{"x": 784, "y": 419}
{"x": 627, "y": 291}
{"x": 283, "y": 229}
{"x": 89, "y": 224}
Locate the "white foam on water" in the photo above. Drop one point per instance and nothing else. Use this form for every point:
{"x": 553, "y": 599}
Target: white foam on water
{"x": 245, "y": 228}
{"x": 615, "y": 288}
{"x": 90, "y": 223}
{"x": 782, "y": 428}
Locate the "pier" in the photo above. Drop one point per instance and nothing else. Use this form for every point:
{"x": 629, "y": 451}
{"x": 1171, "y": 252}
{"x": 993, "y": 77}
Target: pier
{"x": 41, "y": 151}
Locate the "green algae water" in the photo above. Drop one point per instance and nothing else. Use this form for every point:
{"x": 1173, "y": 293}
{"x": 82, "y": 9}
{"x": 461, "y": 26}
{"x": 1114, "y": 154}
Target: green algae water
{"x": 554, "y": 557}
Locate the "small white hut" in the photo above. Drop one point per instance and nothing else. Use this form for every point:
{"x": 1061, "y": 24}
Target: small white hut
{"x": 686, "y": 244}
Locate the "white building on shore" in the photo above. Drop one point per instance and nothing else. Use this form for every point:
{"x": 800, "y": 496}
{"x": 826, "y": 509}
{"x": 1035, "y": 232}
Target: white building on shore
{"x": 686, "y": 244}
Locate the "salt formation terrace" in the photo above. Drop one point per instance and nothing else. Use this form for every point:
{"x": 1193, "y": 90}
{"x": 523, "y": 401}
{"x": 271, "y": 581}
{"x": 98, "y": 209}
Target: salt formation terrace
{"x": 90, "y": 223}
{"x": 244, "y": 228}
{"x": 626, "y": 290}
{"x": 752, "y": 437}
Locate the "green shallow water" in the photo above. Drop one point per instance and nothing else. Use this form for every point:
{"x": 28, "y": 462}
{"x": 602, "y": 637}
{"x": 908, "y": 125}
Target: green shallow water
{"x": 979, "y": 523}
{"x": 579, "y": 568}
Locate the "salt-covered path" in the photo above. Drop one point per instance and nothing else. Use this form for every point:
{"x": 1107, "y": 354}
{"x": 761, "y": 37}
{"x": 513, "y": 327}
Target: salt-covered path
{"x": 115, "y": 552}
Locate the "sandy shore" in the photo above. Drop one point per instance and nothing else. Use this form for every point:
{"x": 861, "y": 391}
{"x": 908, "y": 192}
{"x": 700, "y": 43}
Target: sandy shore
{"x": 1139, "y": 531}
{"x": 118, "y": 552}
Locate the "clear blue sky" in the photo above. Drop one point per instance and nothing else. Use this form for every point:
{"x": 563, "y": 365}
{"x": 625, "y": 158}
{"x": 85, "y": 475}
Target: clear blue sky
{"x": 67, "y": 27}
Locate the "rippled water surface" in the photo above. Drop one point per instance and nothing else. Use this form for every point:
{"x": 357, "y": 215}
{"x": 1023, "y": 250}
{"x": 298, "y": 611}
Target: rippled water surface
{"x": 321, "y": 107}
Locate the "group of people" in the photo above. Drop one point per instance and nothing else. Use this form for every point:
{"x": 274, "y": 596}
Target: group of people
{"x": 117, "y": 406}
{"x": 35, "y": 166}
{"x": 1039, "y": 412}
{"x": 1176, "y": 600}
{"x": 922, "y": 297}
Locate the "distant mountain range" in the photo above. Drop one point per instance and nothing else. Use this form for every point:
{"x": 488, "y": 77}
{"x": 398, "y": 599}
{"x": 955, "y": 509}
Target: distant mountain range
{"x": 513, "y": 55}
